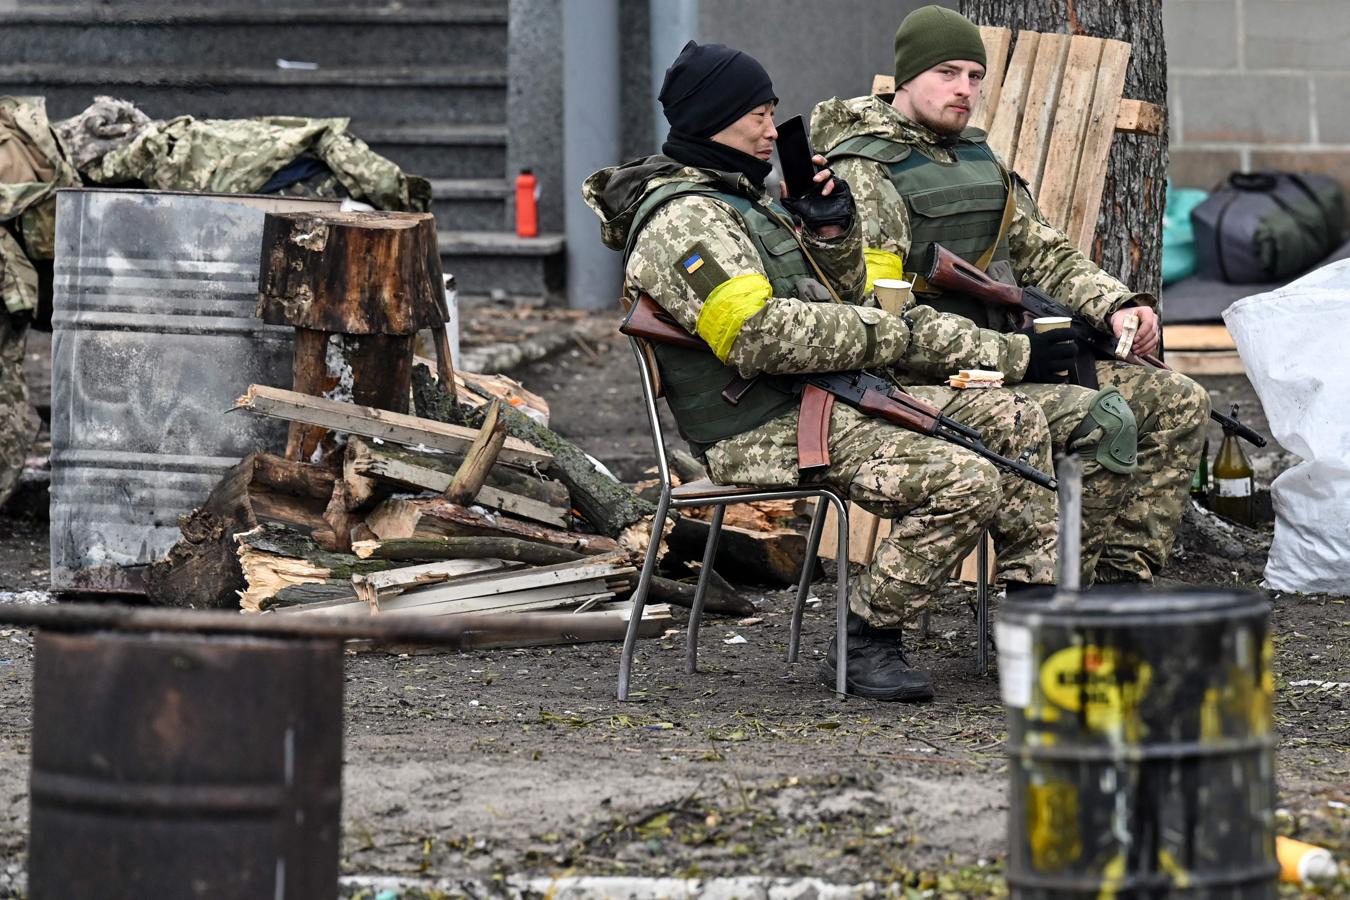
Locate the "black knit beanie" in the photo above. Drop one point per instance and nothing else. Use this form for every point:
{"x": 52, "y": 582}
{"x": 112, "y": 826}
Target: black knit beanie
{"x": 932, "y": 35}
{"x": 709, "y": 86}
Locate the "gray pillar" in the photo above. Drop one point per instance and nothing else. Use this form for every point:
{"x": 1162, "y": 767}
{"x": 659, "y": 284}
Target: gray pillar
{"x": 674, "y": 24}
{"x": 591, "y": 141}
{"x": 534, "y": 101}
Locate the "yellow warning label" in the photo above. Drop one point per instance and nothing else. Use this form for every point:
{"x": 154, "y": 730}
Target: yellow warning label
{"x": 1104, "y": 684}
{"x": 1052, "y": 825}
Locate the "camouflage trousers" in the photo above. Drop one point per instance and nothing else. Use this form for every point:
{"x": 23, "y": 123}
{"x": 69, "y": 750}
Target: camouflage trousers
{"x": 1173, "y": 415}
{"x": 17, "y": 420}
{"x": 939, "y": 496}
{"x": 1065, "y": 407}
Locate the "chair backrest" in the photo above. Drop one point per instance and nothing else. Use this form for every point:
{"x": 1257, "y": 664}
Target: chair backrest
{"x": 1051, "y": 112}
{"x": 651, "y": 391}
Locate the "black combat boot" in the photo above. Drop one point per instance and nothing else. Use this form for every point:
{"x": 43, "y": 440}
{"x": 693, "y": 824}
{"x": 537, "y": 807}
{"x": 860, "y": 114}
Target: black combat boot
{"x": 876, "y": 666}
{"x": 1021, "y": 590}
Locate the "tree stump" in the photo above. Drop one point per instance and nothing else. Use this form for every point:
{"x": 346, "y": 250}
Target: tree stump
{"x": 357, "y": 287}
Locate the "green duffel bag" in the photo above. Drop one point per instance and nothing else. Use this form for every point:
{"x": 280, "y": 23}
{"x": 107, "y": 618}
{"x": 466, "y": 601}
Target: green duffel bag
{"x": 1267, "y": 226}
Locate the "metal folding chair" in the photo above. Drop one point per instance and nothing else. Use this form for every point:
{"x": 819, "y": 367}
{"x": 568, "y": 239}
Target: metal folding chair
{"x": 706, "y": 493}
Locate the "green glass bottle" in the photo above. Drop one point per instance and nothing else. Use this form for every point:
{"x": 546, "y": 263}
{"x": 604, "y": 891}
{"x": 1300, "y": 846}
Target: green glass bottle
{"x": 1200, "y": 481}
{"x": 1233, "y": 486}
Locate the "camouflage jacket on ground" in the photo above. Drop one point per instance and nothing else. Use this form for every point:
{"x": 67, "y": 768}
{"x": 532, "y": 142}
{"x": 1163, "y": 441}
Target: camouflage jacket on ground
{"x": 784, "y": 334}
{"x": 32, "y": 167}
{"x": 1042, "y": 256}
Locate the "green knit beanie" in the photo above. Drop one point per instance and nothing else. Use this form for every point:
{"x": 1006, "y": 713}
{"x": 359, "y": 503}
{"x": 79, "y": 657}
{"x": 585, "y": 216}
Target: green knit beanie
{"x": 933, "y": 35}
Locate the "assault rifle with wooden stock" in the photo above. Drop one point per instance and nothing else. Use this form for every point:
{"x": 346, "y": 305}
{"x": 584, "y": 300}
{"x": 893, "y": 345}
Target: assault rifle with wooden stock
{"x": 867, "y": 393}
{"x": 950, "y": 272}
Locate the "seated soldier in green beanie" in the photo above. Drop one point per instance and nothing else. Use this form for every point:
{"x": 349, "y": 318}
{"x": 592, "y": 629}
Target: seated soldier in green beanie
{"x": 921, "y": 177}
{"x": 762, "y": 283}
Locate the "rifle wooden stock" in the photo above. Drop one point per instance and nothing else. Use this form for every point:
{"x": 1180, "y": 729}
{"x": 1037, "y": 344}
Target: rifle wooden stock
{"x": 646, "y": 319}
{"x": 951, "y": 272}
{"x": 892, "y": 409}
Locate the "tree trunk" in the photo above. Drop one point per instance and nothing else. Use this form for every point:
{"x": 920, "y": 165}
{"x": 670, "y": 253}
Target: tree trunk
{"x": 1129, "y": 234}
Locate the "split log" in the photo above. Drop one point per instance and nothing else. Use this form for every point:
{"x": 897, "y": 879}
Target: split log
{"x": 476, "y": 389}
{"x": 202, "y": 569}
{"x": 761, "y": 515}
{"x": 283, "y": 567}
{"x": 479, "y": 460}
{"x": 396, "y": 518}
{"x": 378, "y": 423}
{"x": 722, "y": 598}
{"x": 757, "y": 557}
{"x": 603, "y": 502}
{"x": 373, "y": 472}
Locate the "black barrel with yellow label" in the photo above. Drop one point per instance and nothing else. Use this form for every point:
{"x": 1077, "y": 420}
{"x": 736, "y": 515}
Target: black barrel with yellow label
{"x": 1141, "y": 745}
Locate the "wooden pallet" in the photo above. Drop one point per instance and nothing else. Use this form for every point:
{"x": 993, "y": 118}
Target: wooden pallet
{"x": 1202, "y": 350}
{"x": 1051, "y": 112}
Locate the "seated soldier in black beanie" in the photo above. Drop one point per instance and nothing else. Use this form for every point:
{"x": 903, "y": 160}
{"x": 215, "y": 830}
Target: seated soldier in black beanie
{"x": 763, "y": 285}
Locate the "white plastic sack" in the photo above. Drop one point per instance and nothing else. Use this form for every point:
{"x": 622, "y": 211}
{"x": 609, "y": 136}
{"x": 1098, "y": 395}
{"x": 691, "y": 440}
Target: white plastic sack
{"x": 1295, "y": 345}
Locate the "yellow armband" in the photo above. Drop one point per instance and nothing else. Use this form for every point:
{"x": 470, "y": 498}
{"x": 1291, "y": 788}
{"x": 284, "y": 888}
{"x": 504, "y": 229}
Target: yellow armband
{"x": 882, "y": 264}
{"x": 728, "y": 306}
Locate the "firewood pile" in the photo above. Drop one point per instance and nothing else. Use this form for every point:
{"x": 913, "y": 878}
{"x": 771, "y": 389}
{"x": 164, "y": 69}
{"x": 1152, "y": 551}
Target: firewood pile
{"x": 407, "y": 488}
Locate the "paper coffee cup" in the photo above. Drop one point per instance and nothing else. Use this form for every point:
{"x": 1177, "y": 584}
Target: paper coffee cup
{"x": 1050, "y": 323}
{"x": 893, "y": 293}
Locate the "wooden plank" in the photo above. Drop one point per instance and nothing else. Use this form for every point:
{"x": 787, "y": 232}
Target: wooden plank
{"x": 407, "y": 577}
{"x": 997, "y": 40}
{"x": 1140, "y": 117}
{"x": 1059, "y": 176}
{"x": 1038, "y": 109}
{"x": 862, "y": 533}
{"x": 1007, "y": 117}
{"x": 1196, "y": 337}
{"x": 1086, "y": 202}
{"x": 410, "y": 475}
{"x": 1206, "y": 362}
{"x": 399, "y": 518}
{"x": 883, "y": 84}
{"x": 367, "y": 421}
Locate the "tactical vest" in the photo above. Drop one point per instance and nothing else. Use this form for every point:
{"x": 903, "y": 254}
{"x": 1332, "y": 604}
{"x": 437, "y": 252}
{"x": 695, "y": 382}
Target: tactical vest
{"x": 958, "y": 205}
{"x": 694, "y": 379}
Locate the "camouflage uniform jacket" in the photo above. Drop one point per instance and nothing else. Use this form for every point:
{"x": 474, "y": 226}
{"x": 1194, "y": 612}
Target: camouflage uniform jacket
{"x": 779, "y": 335}
{"x": 32, "y": 167}
{"x": 1041, "y": 255}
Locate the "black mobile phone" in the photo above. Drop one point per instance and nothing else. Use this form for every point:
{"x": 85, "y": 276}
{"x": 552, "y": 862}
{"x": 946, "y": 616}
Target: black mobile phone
{"x": 794, "y": 156}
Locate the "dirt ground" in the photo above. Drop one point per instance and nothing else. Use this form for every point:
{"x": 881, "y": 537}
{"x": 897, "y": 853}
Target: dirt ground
{"x": 487, "y": 765}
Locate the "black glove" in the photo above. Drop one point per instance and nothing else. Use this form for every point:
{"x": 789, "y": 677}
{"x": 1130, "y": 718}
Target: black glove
{"x": 815, "y": 211}
{"x": 1052, "y": 354}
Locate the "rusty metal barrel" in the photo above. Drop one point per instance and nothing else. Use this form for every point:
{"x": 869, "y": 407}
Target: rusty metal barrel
{"x": 154, "y": 336}
{"x": 1140, "y": 744}
{"x": 174, "y": 765}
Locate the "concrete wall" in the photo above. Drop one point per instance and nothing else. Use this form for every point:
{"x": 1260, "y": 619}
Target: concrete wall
{"x": 1255, "y": 84}
{"x": 812, "y": 51}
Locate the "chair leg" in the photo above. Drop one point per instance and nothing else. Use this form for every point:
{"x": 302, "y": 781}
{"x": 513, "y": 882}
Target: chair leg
{"x": 804, "y": 585}
{"x": 841, "y": 603}
{"x": 640, "y": 595}
{"x": 982, "y": 606}
{"x": 701, "y": 592}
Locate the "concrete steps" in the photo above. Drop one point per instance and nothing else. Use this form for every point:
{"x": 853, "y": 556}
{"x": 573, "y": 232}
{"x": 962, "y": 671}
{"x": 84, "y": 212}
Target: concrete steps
{"x": 203, "y": 37}
{"x": 440, "y": 151}
{"x": 484, "y": 262}
{"x": 470, "y": 204}
{"x": 424, "y": 82}
{"x": 445, "y": 94}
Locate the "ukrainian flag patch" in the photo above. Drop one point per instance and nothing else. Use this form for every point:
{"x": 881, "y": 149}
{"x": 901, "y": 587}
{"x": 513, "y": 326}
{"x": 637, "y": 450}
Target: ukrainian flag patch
{"x": 699, "y": 269}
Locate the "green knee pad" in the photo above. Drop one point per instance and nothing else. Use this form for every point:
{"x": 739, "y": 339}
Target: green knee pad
{"x": 1118, "y": 446}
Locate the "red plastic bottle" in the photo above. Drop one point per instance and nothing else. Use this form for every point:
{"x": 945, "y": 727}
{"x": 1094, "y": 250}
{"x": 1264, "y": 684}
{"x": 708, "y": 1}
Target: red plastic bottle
{"x": 527, "y": 204}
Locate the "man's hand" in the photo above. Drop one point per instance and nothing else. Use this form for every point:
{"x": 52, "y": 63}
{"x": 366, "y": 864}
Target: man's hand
{"x": 827, "y": 218}
{"x": 1052, "y": 354}
{"x": 1149, "y": 335}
